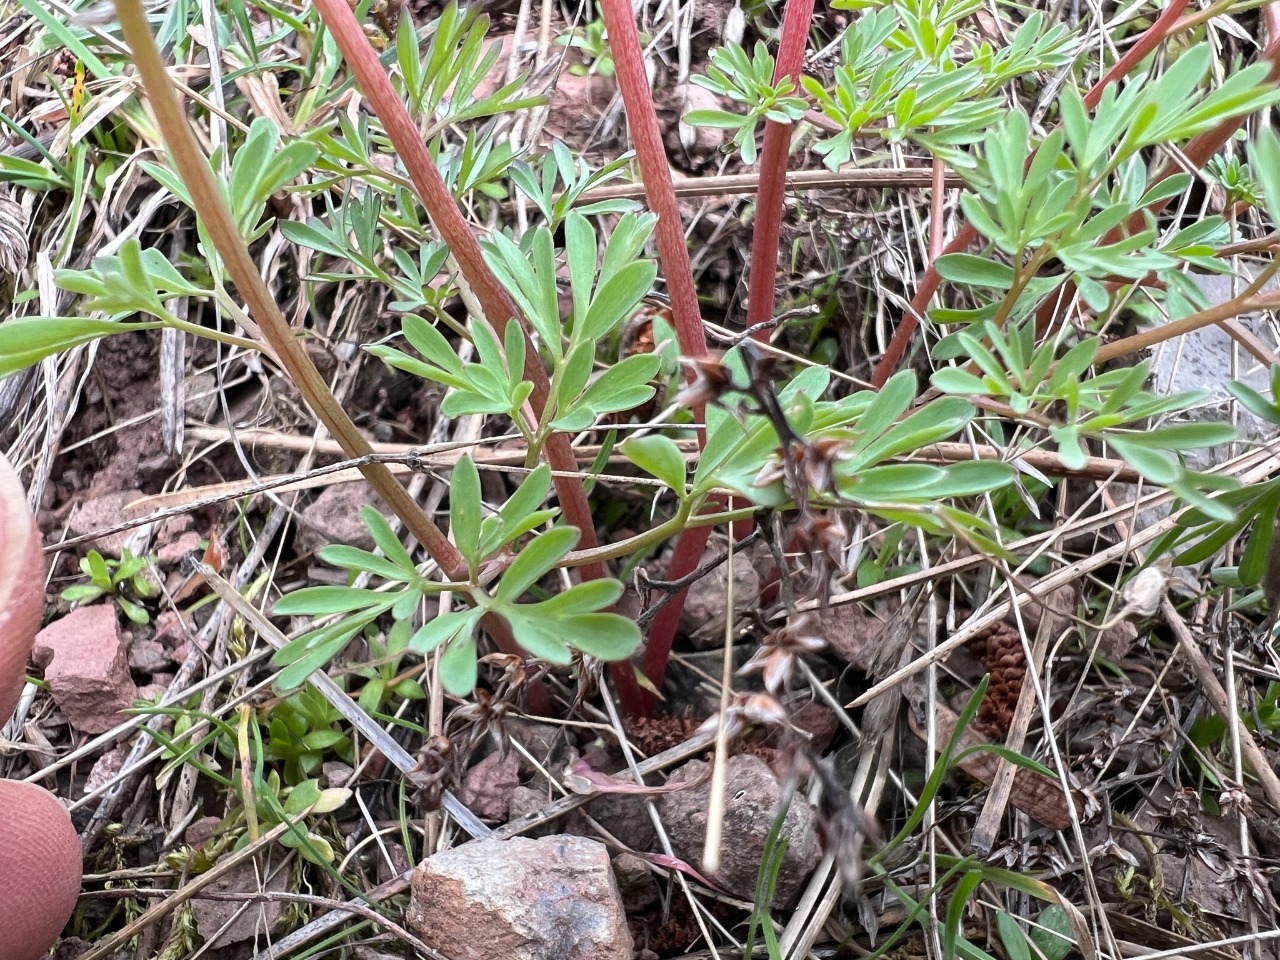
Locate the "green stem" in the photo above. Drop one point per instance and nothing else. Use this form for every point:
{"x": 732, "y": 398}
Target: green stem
{"x": 211, "y": 207}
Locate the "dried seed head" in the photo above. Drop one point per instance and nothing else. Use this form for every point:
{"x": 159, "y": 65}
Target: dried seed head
{"x": 776, "y": 658}
{"x": 749, "y": 710}
{"x": 735, "y": 25}
{"x": 712, "y": 379}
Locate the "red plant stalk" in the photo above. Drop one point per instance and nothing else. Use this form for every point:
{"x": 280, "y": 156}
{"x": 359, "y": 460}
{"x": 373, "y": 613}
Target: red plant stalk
{"x": 762, "y": 283}
{"x": 498, "y": 306}
{"x": 1148, "y": 41}
{"x": 765, "y": 237}
{"x": 642, "y": 120}
{"x": 673, "y": 253}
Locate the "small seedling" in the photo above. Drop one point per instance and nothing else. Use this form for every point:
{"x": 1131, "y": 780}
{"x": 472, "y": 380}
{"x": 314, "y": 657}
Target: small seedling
{"x": 124, "y": 580}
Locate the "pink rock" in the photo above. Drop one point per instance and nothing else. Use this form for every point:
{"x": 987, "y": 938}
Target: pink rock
{"x": 87, "y": 667}
{"x": 521, "y": 899}
{"x": 488, "y": 786}
{"x": 174, "y": 550}
{"x": 334, "y": 517}
{"x": 99, "y": 513}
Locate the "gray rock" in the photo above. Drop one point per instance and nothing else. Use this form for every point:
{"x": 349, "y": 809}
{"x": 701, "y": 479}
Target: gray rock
{"x": 334, "y": 517}
{"x": 225, "y": 922}
{"x": 520, "y": 899}
{"x": 635, "y": 882}
{"x": 1201, "y": 360}
{"x": 751, "y": 804}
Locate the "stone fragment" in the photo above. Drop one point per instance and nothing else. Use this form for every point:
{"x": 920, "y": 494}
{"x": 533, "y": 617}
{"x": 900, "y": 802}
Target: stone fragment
{"x": 172, "y": 551}
{"x": 99, "y": 513}
{"x": 106, "y": 768}
{"x": 635, "y": 882}
{"x": 87, "y": 668}
{"x": 147, "y": 656}
{"x": 257, "y": 919}
{"x": 488, "y": 785}
{"x": 549, "y": 899}
{"x": 751, "y": 804}
{"x": 334, "y": 517}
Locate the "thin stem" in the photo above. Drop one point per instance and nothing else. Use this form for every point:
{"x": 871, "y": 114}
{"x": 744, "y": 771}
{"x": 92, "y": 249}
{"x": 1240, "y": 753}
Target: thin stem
{"x": 497, "y": 304}
{"x": 762, "y": 289}
{"x": 642, "y": 120}
{"x": 194, "y": 169}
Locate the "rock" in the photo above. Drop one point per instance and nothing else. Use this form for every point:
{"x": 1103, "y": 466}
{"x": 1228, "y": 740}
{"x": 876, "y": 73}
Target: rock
{"x": 201, "y": 831}
{"x": 148, "y": 656}
{"x": 695, "y": 146}
{"x": 87, "y": 668}
{"x": 546, "y": 743}
{"x": 258, "y": 919}
{"x": 635, "y": 882}
{"x": 173, "y": 551}
{"x": 623, "y": 815}
{"x": 529, "y": 800}
{"x": 99, "y": 513}
{"x": 704, "y": 607}
{"x": 488, "y": 785}
{"x": 852, "y": 634}
{"x": 334, "y": 517}
{"x": 336, "y": 773}
{"x": 105, "y": 768}
{"x": 751, "y": 804}
{"x": 521, "y": 899}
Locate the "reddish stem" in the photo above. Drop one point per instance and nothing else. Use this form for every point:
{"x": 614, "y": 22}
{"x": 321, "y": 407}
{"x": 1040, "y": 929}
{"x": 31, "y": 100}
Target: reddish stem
{"x": 642, "y": 119}
{"x": 1197, "y": 152}
{"x": 673, "y": 252}
{"x": 1148, "y": 41}
{"x": 498, "y": 306}
{"x": 762, "y": 289}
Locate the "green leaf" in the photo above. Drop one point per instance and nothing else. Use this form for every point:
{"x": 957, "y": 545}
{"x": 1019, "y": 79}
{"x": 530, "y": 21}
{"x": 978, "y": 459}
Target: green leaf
{"x": 1254, "y": 402}
{"x": 25, "y": 341}
{"x": 606, "y": 636}
{"x": 430, "y": 342}
{"x": 443, "y": 628}
{"x": 1052, "y": 934}
{"x": 969, "y": 882}
{"x": 715, "y": 118}
{"x": 586, "y": 597}
{"x": 534, "y": 561}
{"x": 301, "y": 797}
{"x": 386, "y": 540}
{"x": 580, "y": 253}
{"x": 891, "y": 402}
{"x": 618, "y": 298}
{"x": 544, "y": 638}
{"x": 575, "y": 374}
{"x": 465, "y": 506}
{"x": 624, "y": 385}
{"x": 319, "y": 601}
{"x": 976, "y": 271}
{"x": 520, "y": 514}
{"x": 458, "y": 665}
{"x": 1154, "y": 464}
{"x": 658, "y": 456}
{"x": 1012, "y": 937}
{"x": 958, "y": 380}
{"x": 1182, "y": 436}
